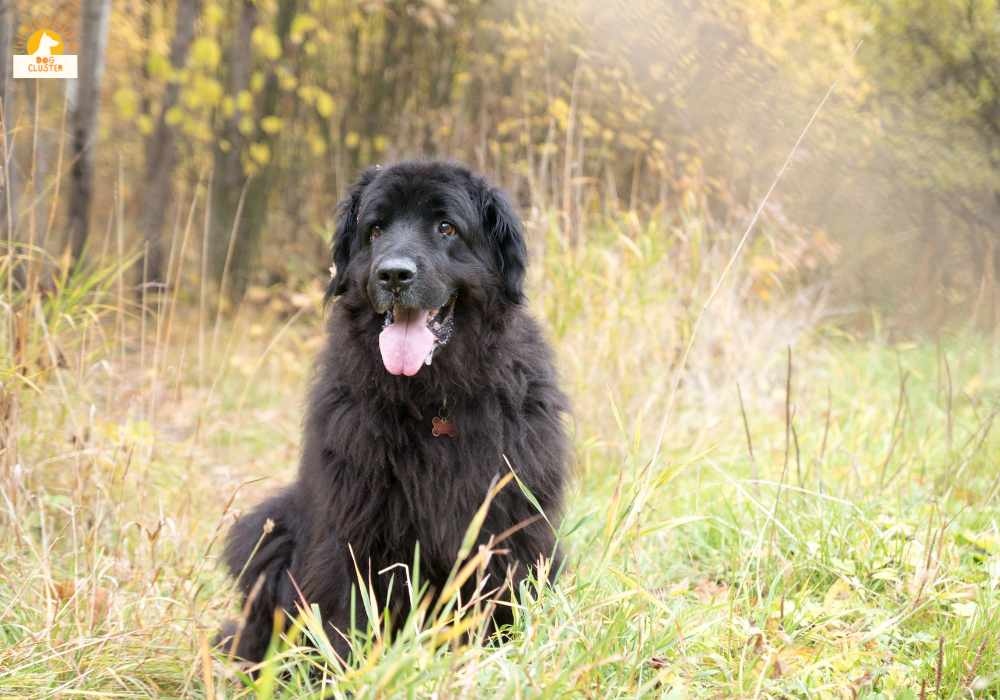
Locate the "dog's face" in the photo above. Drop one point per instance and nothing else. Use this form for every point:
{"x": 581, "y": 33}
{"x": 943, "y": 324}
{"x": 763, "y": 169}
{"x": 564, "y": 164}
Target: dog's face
{"x": 418, "y": 240}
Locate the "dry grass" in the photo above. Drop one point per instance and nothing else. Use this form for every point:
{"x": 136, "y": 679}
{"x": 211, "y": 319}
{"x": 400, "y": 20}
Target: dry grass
{"x": 822, "y": 520}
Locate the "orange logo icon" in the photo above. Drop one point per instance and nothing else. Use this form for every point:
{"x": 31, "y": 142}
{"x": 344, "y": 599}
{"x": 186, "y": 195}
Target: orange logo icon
{"x": 45, "y": 42}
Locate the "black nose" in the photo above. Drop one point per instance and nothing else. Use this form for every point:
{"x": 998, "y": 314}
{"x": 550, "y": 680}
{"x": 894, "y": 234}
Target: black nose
{"x": 396, "y": 273}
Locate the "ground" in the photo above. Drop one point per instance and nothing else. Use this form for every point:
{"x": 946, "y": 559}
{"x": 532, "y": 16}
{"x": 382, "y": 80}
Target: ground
{"x": 776, "y": 509}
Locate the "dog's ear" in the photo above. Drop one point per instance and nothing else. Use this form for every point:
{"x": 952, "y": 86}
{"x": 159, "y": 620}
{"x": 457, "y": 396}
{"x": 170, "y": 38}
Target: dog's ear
{"x": 345, "y": 237}
{"x": 504, "y": 232}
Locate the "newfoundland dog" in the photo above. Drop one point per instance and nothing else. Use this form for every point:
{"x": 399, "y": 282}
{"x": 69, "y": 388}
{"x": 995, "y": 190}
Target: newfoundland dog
{"x": 434, "y": 382}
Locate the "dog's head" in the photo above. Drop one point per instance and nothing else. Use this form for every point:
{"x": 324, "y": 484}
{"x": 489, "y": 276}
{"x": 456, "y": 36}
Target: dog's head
{"x": 419, "y": 239}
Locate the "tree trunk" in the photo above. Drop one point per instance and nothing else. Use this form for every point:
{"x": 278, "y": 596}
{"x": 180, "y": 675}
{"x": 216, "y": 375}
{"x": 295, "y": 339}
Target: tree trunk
{"x": 8, "y": 174}
{"x": 227, "y": 179}
{"x": 94, "y": 34}
{"x": 231, "y": 261}
{"x": 161, "y": 151}
{"x": 8, "y": 27}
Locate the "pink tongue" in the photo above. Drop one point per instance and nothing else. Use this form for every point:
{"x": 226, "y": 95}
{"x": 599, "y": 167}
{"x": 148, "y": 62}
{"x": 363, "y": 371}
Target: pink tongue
{"x": 406, "y": 342}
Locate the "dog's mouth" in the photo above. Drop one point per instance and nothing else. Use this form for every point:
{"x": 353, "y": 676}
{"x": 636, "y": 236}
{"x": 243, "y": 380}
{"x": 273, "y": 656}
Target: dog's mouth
{"x": 410, "y": 336}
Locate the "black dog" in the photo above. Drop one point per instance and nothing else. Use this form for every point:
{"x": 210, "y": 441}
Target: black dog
{"x": 433, "y": 378}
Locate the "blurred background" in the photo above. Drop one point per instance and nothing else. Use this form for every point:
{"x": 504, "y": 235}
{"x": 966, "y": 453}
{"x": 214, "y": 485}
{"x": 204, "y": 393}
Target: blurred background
{"x": 765, "y": 242}
{"x": 250, "y": 118}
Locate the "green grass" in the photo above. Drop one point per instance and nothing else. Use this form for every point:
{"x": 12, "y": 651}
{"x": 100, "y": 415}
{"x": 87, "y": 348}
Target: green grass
{"x": 854, "y": 552}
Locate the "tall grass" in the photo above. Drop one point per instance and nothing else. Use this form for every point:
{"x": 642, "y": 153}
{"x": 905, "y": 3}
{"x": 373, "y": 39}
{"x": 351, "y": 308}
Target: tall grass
{"x": 822, "y": 519}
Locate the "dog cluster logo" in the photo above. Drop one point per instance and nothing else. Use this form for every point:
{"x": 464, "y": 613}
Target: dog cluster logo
{"x": 45, "y": 58}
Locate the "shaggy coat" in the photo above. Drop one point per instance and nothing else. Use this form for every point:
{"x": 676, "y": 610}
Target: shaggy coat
{"x": 373, "y": 481}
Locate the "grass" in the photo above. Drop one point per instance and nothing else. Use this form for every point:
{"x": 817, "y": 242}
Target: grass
{"x": 822, "y": 520}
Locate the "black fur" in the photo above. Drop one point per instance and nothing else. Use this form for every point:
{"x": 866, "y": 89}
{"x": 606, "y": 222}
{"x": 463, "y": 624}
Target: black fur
{"x": 372, "y": 477}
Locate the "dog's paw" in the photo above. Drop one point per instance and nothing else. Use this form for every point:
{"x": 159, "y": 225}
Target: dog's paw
{"x": 225, "y": 636}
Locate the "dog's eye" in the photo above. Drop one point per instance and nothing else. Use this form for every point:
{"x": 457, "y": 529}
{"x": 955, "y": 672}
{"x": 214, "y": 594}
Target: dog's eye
{"x": 375, "y": 232}
{"x": 446, "y": 228}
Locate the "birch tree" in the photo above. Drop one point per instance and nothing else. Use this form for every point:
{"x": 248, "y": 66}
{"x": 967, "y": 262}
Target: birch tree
{"x": 86, "y": 103}
{"x": 8, "y": 194}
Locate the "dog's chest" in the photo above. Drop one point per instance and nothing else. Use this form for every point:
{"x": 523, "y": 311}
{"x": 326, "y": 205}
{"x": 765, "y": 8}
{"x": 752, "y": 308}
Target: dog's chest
{"x": 417, "y": 487}
{"x": 430, "y": 495}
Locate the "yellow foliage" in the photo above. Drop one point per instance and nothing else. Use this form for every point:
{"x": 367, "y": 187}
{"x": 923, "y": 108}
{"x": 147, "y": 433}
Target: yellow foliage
{"x": 267, "y": 43}
{"x": 270, "y": 124}
{"x": 190, "y": 98}
{"x": 174, "y": 116}
{"x": 300, "y": 26}
{"x": 307, "y": 93}
{"x": 203, "y": 131}
{"x": 127, "y": 102}
{"x": 209, "y": 90}
{"x": 324, "y": 105}
{"x": 286, "y": 79}
{"x": 559, "y": 110}
{"x": 260, "y": 153}
{"x": 205, "y": 53}
{"x": 244, "y": 101}
{"x": 506, "y": 126}
{"x": 202, "y": 92}
{"x": 213, "y": 16}
{"x": 158, "y": 66}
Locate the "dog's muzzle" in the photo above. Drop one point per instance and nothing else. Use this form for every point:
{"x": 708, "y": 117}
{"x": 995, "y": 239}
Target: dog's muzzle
{"x": 410, "y": 336}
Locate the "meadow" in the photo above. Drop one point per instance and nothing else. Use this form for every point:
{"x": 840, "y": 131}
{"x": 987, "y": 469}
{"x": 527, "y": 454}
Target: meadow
{"x": 764, "y": 503}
